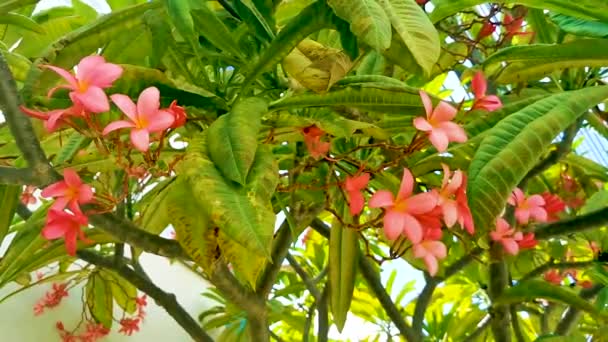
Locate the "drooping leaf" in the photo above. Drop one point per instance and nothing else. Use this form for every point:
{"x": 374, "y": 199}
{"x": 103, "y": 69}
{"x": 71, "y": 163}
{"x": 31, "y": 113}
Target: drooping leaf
{"x": 367, "y": 21}
{"x": 581, "y": 27}
{"x": 21, "y": 21}
{"x": 9, "y": 199}
{"x": 232, "y": 139}
{"x": 416, "y": 30}
{"x": 214, "y": 30}
{"x": 247, "y": 265}
{"x": 99, "y": 299}
{"x": 531, "y": 62}
{"x": 123, "y": 292}
{"x": 343, "y": 257}
{"x": 585, "y": 9}
{"x": 514, "y": 146}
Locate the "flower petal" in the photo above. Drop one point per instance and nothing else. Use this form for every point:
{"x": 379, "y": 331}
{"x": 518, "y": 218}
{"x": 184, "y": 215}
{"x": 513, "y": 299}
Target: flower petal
{"x": 149, "y": 102}
{"x": 431, "y": 264}
{"x": 85, "y": 194}
{"x": 393, "y": 224}
{"x": 510, "y": 246}
{"x": 65, "y": 74}
{"x": 439, "y": 139}
{"x": 426, "y": 101}
{"x": 160, "y": 122}
{"x": 437, "y": 248}
{"x": 140, "y": 139}
{"x": 407, "y": 185}
{"x": 412, "y": 229}
{"x": 126, "y": 105}
{"x": 444, "y": 112}
{"x": 422, "y": 125}
{"x": 536, "y": 201}
{"x": 356, "y": 183}
{"x": 454, "y": 132}
{"x": 539, "y": 214}
{"x": 70, "y": 241}
{"x": 455, "y": 182}
{"x": 54, "y": 230}
{"x": 93, "y": 99}
{"x": 479, "y": 85}
{"x": 522, "y": 215}
{"x": 419, "y": 250}
{"x": 87, "y": 66}
{"x": 71, "y": 178}
{"x": 55, "y": 190}
{"x": 381, "y": 199}
{"x": 117, "y": 125}
{"x": 356, "y": 202}
{"x": 422, "y": 203}
{"x": 450, "y": 213}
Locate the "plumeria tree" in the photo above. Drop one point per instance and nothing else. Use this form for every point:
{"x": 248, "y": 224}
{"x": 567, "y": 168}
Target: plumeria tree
{"x": 290, "y": 152}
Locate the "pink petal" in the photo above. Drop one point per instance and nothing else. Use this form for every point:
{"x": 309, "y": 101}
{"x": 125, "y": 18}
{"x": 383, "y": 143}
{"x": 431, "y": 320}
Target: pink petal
{"x": 522, "y": 215}
{"x": 444, "y": 112}
{"x": 407, "y": 185}
{"x": 431, "y": 264}
{"x": 87, "y": 66}
{"x": 356, "y": 183}
{"x": 85, "y": 194}
{"x": 517, "y": 196}
{"x": 126, "y": 105}
{"x": 421, "y": 203}
{"x": 52, "y": 91}
{"x": 93, "y": 99}
{"x": 455, "y": 183}
{"x": 446, "y": 175}
{"x": 70, "y": 242}
{"x": 65, "y": 74}
{"x": 393, "y": 224}
{"x": 495, "y": 236}
{"x": 502, "y": 225}
{"x": 439, "y": 139}
{"x": 149, "y": 102}
{"x": 510, "y": 246}
{"x": 381, "y": 199}
{"x": 55, "y": 190}
{"x": 412, "y": 229}
{"x": 160, "y": 122}
{"x": 419, "y": 250}
{"x": 539, "y": 214}
{"x": 422, "y": 125}
{"x": 450, "y": 213}
{"x": 426, "y": 101}
{"x": 536, "y": 201}
{"x": 60, "y": 203}
{"x": 140, "y": 139}
{"x": 437, "y": 248}
{"x": 53, "y": 121}
{"x": 117, "y": 125}
{"x": 356, "y": 202}
{"x": 479, "y": 85}
{"x": 71, "y": 178}
{"x": 54, "y": 230}
{"x": 453, "y": 131}
{"x": 95, "y": 71}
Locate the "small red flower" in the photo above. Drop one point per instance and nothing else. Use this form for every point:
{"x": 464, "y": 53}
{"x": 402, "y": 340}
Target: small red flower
{"x": 94, "y": 331}
{"x": 69, "y": 192}
{"x": 486, "y": 30}
{"x": 527, "y": 241}
{"x": 27, "y": 197}
{"x": 554, "y": 277}
{"x": 354, "y": 187}
{"x": 129, "y": 325}
{"x": 553, "y": 206}
{"x": 63, "y": 224}
{"x": 312, "y": 139}
{"x": 179, "y": 114}
{"x": 141, "y": 304}
{"x": 51, "y": 299}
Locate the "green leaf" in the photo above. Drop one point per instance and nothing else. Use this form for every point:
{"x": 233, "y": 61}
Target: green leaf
{"x": 123, "y": 292}
{"x": 533, "y": 289}
{"x": 581, "y": 27}
{"x": 233, "y": 138}
{"x": 11, "y": 5}
{"x": 18, "y": 64}
{"x": 263, "y": 177}
{"x": 343, "y": 254}
{"x": 214, "y": 30}
{"x": 514, "y": 146}
{"x": 416, "y": 30}
{"x": 9, "y": 199}
{"x": 246, "y": 264}
{"x": 405, "y": 102}
{"x": 367, "y": 21}
{"x": 99, "y": 299}
{"x": 585, "y": 9}
{"x": 532, "y": 62}
{"x": 246, "y": 219}
{"x": 20, "y": 21}
{"x": 75, "y": 143}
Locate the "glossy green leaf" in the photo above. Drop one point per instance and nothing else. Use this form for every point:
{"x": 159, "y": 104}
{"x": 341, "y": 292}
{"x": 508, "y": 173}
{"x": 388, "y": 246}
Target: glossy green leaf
{"x": 534, "y": 289}
{"x": 74, "y": 144}
{"x": 21, "y": 21}
{"x": 232, "y": 139}
{"x": 99, "y": 299}
{"x": 581, "y": 27}
{"x": 415, "y": 29}
{"x": 246, "y": 219}
{"x": 531, "y": 62}
{"x": 9, "y": 199}
{"x": 585, "y": 9}
{"x": 514, "y": 146}
{"x": 367, "y": 19}
{"x": 123, "y": 292}
{"x": 343, "y": 254}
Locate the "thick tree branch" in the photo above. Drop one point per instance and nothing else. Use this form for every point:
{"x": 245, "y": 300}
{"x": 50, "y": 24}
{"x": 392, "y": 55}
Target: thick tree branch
{"x": 499, "y": 278}
{"x": 308, "y": 282}
{"x": 571, "y": 315}
{"x": 21, "y": 127}
{"x": 11, "y": 175}
{"x": 323, "y": 322}
{"x": 280, "y": 247}
{"x": 232, "y": 289}
{"x": 581, "y": 223}
{"x": 560, "y": 266}
{"x": 166, "y": 300}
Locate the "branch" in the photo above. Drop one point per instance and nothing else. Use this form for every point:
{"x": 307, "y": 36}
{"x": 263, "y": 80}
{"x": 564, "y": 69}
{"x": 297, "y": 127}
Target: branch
{"x": 593, "y": 220}
{"x": 166, "y": 300}
{"x": 308, "y": 282}
{"x": 560, "y": 266}
{"x": 519, "y": 336}
{"x": 571, "y": 315}
{"x": 281, "y": 245}
{"x": 498, "y": 282}
{"x": 11, "y": 175}
{"x": 21, "y": 127}
{"x": 323, "y": 328}
{"x": 480, "y": 329}
{"x": 232, "y": 289}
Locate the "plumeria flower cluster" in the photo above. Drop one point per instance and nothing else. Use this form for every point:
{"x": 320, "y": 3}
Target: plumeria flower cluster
{"x": 87, "y": 92}
{"x": 51, "y": 299}
{"x": 93, "y": 332}
{"x": 419, "y": 216}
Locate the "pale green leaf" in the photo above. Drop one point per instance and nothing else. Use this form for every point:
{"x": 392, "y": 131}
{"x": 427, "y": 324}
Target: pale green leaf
{"x": 367, "y": 21}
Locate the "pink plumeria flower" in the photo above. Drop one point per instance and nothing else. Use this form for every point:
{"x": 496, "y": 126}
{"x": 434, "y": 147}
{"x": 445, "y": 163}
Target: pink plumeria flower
{"x": 483, "y": 101}
{"x": 438, "y": 124}
{"x": 179, "y": 114}
{"x": 93, "y": 74}
{"x": 67, "y": 225}
{"x": 144, "y": 118}
{"x": 353, "y": 187}
{"x": 446, "y": 195}
{"x": 553, "y": 206}
{"x": 526, "y": 208}
{"x": 430, "y": 251}
{"x": 70, "y": 192}
{"x": 54, "y": 118}
{"x": 465, "y": 218}
{"x": 506, "y": 236}
{"x": 400, "y": 217}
